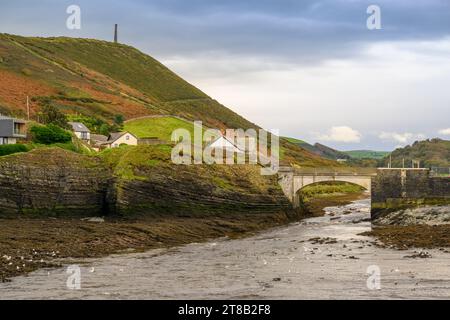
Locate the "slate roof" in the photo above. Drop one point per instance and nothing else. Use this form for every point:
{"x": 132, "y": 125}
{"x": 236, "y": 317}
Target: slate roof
{"x": 99, "y": 138}
{"x": 79, "y": 127}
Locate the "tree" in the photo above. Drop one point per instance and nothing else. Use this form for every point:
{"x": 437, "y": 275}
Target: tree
{"x": 119, "y": 119}
{"x": 50, "y": 134}
{"x": 104, "y": 129}
{"x": 51, "y": 115}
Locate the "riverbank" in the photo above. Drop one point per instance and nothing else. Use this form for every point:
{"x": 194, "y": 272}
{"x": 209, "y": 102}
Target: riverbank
{"x": 415, "y": 236}
{"x": 29, "y": 244}
{"x": 317, "y": 258}
{"x": 422, "y": 227}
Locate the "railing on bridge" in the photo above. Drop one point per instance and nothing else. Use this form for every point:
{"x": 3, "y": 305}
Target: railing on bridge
{"x": 440, "y": 172}
{"x": 334, "y": 171}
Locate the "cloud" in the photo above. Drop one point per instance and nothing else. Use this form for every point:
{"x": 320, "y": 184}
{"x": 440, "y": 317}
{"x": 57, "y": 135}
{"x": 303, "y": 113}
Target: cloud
{"x": 403, "y": 138}
{"x": 341, "y": 134}
{"x": 445, "y": 132}
{"x": 301, "y": 66}
{"x": 305, "y": 32}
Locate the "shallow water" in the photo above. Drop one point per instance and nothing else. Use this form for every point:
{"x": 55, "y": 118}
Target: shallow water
{"x": 277, "y": 264}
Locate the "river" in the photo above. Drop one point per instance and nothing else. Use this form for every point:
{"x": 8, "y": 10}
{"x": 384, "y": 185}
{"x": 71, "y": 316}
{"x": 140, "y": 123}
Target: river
{"x": 282, "y": 263}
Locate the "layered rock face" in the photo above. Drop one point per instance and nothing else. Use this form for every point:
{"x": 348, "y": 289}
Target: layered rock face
{"x": 200, "y": 189}
{"x": 129, "y": 182}
{"x": 53, "y": 182}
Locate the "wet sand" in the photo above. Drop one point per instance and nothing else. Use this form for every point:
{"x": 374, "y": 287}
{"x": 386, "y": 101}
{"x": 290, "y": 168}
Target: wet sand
{"x": 317, "y": 258}
{"x": 29, "y": 244}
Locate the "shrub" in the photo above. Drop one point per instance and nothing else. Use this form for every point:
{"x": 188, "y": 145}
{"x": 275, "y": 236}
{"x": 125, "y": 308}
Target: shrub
{"x": 49, "y": 114}
{"x": 50, "y": 134}
{"x": 119, "y": 119}
{"x": 12, "y": 148}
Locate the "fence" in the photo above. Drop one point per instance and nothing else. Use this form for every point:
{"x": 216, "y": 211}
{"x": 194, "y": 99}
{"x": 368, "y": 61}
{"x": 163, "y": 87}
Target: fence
{"x": 440, "y": 171}
{"x": 336, "y": 171}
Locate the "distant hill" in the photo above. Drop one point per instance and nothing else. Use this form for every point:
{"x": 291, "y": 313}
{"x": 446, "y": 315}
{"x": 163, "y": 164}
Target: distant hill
{"x": 431, "y": 153}
{"x": 367, "y": 154}
{"x": 100, "y": 79}
{"x": 320, "y": 150}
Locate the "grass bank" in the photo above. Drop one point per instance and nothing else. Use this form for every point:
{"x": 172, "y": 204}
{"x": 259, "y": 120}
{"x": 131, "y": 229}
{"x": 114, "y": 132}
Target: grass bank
{"x": 315, "y": 198}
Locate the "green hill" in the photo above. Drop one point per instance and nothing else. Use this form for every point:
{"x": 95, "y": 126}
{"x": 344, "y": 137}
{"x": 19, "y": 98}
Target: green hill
{"x": 159, "y": 127}
{"x": 100, "y": 80}
{"x": 319, "y": 149}
{"x": 367, "y": 154}
{"x": 431, "y": 153}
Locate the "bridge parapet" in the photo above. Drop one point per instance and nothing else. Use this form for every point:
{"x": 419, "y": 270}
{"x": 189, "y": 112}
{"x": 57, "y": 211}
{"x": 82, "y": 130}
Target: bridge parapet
{"x": 335, "y": 171}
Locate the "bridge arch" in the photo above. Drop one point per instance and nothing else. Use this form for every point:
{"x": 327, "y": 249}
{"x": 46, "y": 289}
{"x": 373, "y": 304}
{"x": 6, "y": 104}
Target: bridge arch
{"x": 292, "y": 180}
{"x": 305, "y": 181}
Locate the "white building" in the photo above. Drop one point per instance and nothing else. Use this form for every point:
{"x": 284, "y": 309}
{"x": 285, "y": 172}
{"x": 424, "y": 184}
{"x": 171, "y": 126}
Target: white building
{"x": 81, "y": 131}
{"x": 118, "y": 138}
{"x": 225, "y": 144}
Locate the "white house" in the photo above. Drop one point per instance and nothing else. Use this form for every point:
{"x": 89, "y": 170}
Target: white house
{"x": 224, "y": 143}
{"x": 81, "y": 131}
{"x": 118, "y": 138}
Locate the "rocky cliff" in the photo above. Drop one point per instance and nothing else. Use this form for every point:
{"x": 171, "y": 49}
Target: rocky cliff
{"x": 52, "y": 182}
{"x": 129, "y": 181}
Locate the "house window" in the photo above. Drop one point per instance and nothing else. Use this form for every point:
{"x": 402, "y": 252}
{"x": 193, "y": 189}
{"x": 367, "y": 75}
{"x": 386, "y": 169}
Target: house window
{"x": 127, "y": 137}
{"x": 17, "y": 128}
{"x": 84, "y": 136}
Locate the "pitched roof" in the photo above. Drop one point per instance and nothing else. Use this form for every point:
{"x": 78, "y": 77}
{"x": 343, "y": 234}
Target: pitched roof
{"x": 79, "y": 127}
{"x": 99, "y": 138}
{"x": 225, "y": 143}
{"x": 116, "y": 135}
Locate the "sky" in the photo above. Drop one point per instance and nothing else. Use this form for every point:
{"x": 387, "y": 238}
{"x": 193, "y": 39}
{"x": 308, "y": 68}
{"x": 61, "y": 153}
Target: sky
{"x": 311, "y": 69}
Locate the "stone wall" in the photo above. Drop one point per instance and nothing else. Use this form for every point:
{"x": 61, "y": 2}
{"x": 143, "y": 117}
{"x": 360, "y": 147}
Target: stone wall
{"x": 394, "y": 189}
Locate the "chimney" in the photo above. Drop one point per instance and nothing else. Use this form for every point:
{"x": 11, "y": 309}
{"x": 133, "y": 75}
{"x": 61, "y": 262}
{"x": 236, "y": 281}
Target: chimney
{"x": 115, "y": 33}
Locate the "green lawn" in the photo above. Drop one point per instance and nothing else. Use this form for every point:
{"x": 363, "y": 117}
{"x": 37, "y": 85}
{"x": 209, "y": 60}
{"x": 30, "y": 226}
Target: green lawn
{"x": 160, "y": 128}
{"x": 367, "y": 154}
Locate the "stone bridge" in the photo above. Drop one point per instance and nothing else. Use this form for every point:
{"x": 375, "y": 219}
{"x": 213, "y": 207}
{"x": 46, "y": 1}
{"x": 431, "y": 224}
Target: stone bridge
{"x": 390, "y": 188}
{"x": 292, "y": 180}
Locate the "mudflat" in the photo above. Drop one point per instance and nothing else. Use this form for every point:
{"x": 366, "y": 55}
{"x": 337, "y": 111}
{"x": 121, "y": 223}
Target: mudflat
{"x": 29, "y": 244}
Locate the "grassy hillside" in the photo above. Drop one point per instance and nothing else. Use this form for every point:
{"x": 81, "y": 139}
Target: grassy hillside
{"x": 319, "y": 149}
{"x": 159, "y": 127}
{"x": 100, "y": 80}
{"x": 431, "y": 153}
{"x": 367, "y": 154}
{"x": 103, "y": 78}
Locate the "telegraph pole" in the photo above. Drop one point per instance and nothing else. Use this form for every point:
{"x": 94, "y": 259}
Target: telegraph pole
{"x": 28, "y": 108}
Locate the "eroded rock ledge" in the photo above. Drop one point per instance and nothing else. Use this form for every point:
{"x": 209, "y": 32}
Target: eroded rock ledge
{"x": 55, "y": 182}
